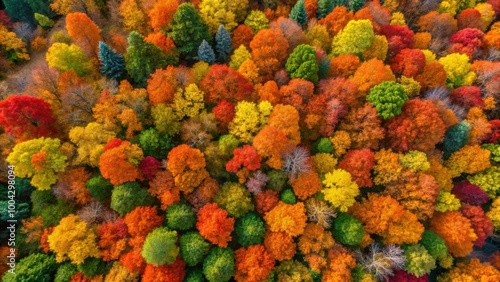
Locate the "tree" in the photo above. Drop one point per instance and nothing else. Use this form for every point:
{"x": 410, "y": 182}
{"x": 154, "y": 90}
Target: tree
{"x": 162, "y": 14}
{"x": 356, "y": 37}
{"x": 66, "y": 57}
{"x": 388, "y": 98}
{"x": 257, "y": 21}
{"x": 13, "y": 47}
{"x": 188, "y": 29}
{"x": 324, "y": 8}
{"x": 193, "y": 248}
{"x": 133, "y": 16}
{"x": 112, "y": 63}
{"x": 166, "y": 273}
{"x": 36, "y": 266}
{"x": 160, "y": 247}
{"x": 363, "y": 127}
{"x": 141, "y": 221}
{"x": 26, "y": 117}
{"x": 126, "y": 197}
{"x": 71, "y": 239}
{"x": 359, "y": 163}
{"x": 40, "y": 159}
{"x": 224, "y": 83}
{"x": 456, "y": 230}
{"x": 223, "y": 43}
{"x": 250, "y": 230}
{"x": 90, "y": 141}
{"x": 234, "y": 198}
{"x": 44, "y": 21}
{"x": 187, "y": 166}
{"x": 348, "y": 230}
{"x": 418, "y": 260}
{"x": 64, "y": 7}
{"x": 408, "y": 62}
{"x": 302, "y": 63}
{"x": 339, "y": 189}
{"x": 215, "y": 225}
{"x": 371, "y": 73}
{"x": 242, "y": 35}
{"x": 143, "y": 58}
{"x": 298, "y": 13}
{"x": 253, "y": 263}
{"x": 218, "y": 12}
{"x": 180, "y": 217}
{"x": 206, "y": 53}
{"x": 84, "y": 33}
{"x": 287, "y": 218}
{"x": 399, "y": 38}
{"x": 19, "y": 11}
{"x": 419, "y": 127}
{"x": 219, "y": 265}
{"x": 457, "y": 69}
{"x": 269, "y": 50}
{"x": 41, "y": 7}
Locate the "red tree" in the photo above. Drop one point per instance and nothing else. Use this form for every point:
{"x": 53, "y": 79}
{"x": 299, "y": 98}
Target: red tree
{"x": 408, "y": 62}
{"x": 399, "y": 37}
{"x": 246, "y": 157}
{"x": 467, "y": 96}
{"x": 26, "y": 117}
{"x": 359, "y": 163}
{"x": 222, "y": 82}
{"x": 419, "y": 127}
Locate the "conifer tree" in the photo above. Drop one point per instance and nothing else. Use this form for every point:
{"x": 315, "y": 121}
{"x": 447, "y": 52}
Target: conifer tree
{"x": 324, "y": 8}
{"x": 188, "y": 29}
{"x": 299, "y": 13}
{"x": 112, "y": 63}
{"x": 223, "y": 44}
{"x": 206, "y": 53}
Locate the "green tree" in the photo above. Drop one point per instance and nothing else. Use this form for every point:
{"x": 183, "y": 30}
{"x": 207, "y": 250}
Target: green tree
{"x": 188, "y": 30}
{"x": 143, "y": 58}
{"x": 35, "y": 267}
{"x": 112, "y": 63}
{"x": 219, "y": 265}
{"x": 324, "y": 8}
{"x": 92, "y": 267}
{"x": 19, "y": 11}
{"x": 206, "y": 53}
{"x": 194, "y": 248}
{"x": 41, "y": 7}
{"x": 250, "y": 230}
{"x": 126, "y": 197}
{"x": 64, "y": 272}
{"x": 44, "y": 21}
{"x": 222, "y": 44}
{"x": 302, "y": 63}
{"x": 355, "y": 5}
{"x": 348, "y": 230}
{"x": 287, "y": 196}
{"x": 155, "y": 144}
{"x": 388, "y": 98}
{"x": 356, "y": 37}
{"x": 455, "y": 138}
{"x": 298, "y": 13}
{"x": 160, "y": 247}
{"x": 99, "y": 187}
{"x": 434, "y": 244}
{"x": 180, "y": 216}
{"x": 66, "y": 57}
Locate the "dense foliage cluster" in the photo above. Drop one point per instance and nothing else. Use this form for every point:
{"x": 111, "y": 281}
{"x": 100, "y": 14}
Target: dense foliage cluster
{"x": 251, "y": 141}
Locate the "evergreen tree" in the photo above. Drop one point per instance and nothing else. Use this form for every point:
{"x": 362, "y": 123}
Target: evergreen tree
{"x": 206, "y": 53}
{"x": 223, "y": 43}
{"x": 298, "y": 13}
{"x": 325, "y": 7}
{"x": 337, "y": 3}
{"x": 112, "y": 63}
{"x": 355, "y": 5}
{"x": 188, "y": 30}
{"x": 19, "y": 11}
{"x": 143, "y": 58}
{"x": 41, "y": 7}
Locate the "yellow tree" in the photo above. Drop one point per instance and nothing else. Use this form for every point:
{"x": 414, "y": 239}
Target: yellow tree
{"x": 90, "y": 142}
{"x": 217, "y": 12}
{"x": 39, "y": 159}
{"x": 73, "y": 239}
{"x": 133, "y": 16}
{"x": 64, "y": 7}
